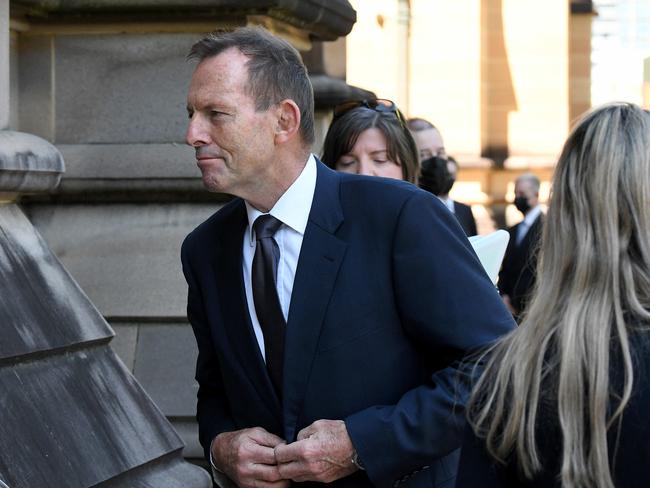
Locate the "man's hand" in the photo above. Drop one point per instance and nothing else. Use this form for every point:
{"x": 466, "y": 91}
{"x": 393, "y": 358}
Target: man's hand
{"x": 323, "y": 452}
{"x": 247, "y": 457}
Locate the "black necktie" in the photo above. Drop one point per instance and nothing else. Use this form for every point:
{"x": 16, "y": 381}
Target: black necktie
{"x": 265, "y": 296}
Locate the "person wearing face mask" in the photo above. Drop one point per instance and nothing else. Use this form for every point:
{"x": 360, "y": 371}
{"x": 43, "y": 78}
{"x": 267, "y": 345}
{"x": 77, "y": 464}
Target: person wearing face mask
{"x": 430, "y": 145}
{"x": 462, "y": 212}
{"x": 437, "y": 175}
{"x": 517, "y": 274}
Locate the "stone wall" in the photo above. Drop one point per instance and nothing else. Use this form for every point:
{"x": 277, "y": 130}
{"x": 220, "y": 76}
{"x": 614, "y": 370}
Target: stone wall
{"x": 105, "y": 82}
{"x": 73, "y": 415}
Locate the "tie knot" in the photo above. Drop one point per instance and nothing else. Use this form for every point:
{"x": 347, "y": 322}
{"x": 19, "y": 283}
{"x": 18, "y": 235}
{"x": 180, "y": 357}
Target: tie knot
{"x": 266, "y": 226}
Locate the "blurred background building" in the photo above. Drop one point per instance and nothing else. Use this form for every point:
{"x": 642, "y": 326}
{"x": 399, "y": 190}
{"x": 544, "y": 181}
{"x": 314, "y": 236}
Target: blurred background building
{"x": 501, "y": 79}
{"x": 620, "y": 50}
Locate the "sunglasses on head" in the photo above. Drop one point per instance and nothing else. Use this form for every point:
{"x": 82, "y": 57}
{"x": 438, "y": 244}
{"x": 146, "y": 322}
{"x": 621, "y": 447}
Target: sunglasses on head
{"x": 378, "y": 105}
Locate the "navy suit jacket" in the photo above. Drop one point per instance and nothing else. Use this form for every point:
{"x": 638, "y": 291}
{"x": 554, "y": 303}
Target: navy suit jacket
{"x": 378, "y": 323}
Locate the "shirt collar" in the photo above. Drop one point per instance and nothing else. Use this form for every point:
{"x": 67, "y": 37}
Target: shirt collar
{"x": 449, "y": 203}
{"x": 532, "y": 215}
{"x": 293, "y": 207}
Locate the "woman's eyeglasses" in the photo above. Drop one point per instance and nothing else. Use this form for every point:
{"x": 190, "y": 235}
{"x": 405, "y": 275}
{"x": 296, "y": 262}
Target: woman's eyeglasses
{"x": 378, "y": 105}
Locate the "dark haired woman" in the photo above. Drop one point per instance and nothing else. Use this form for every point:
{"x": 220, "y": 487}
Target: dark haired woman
{"x": 370, "y": 138}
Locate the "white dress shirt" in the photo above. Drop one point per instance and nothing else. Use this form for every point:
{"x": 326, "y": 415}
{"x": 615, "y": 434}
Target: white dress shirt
{"x": 449, "y": 203}
{"x": 292, "y": 209}
{"x": 526, "y": 224}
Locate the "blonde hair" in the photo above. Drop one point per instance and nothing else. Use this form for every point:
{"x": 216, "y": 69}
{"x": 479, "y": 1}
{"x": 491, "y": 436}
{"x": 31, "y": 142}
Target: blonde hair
{"x": 593, "y": 283}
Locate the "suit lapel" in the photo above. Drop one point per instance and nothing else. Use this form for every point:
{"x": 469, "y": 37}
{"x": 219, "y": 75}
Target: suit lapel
{"x": 321, "y": 255}
{"x": 234, "y": 309}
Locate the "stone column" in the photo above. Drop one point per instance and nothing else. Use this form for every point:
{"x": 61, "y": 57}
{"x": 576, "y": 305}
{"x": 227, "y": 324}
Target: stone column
{"x": 377, "y": 50}
{"x": 326, "y": 64}
{"x": 445, "y": 78}
{"x": 579, "y": 61}
{"x": 4, "y": 64}
{"x": 73, "y": 416}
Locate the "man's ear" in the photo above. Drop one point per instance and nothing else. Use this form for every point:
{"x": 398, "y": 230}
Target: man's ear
{"x": 288, "y": 121}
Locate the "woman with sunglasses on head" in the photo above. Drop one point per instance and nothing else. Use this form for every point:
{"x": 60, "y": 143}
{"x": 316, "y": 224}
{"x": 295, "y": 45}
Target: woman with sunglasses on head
{"x": 564, "y": 399}
{"x": 369, "y": 137}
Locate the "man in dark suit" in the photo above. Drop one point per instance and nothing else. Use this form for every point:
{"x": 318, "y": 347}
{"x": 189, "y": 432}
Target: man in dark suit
{"x": 430, "y": 144}
{"x": 462, "y": 212}
{"x": 517, "y": 275}
{"x": 330, "y": 336}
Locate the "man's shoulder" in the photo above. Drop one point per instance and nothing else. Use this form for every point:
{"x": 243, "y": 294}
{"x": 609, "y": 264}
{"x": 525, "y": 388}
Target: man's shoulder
{"x": 464, "y": 212}
{"x": 364, "y": 191}
{"x": 386, "y": 200}
{"x": 513, "y": 228}
{"x": 386, "y": 189}
{"x": 227, "y": 216}
{"x": 462, "y": 206}
{"x": 535, "y": 226}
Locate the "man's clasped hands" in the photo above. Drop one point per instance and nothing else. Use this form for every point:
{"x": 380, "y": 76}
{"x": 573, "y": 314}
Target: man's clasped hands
{"x": 256, "y": 458}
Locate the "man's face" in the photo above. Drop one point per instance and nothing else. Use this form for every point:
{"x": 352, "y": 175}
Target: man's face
{"x": 234, "y": 143}
{"x": 525, "y": 189}
{"x": 429, "y": 142}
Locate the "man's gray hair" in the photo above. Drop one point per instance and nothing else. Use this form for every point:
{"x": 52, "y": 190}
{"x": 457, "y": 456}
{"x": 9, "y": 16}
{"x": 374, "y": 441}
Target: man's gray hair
{"x": 417, "y": 124}
{"x": 531, "y": 179}
{"x": 275, "y": 70}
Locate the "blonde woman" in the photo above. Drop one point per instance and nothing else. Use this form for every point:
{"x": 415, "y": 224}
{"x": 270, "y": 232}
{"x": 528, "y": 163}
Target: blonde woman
{"x": 565, "y": 399}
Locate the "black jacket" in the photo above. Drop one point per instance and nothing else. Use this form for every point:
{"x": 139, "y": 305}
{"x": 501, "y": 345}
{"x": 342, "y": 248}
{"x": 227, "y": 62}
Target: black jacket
{"x": 517, "y": 274}
{"x": 629, "y": 461}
